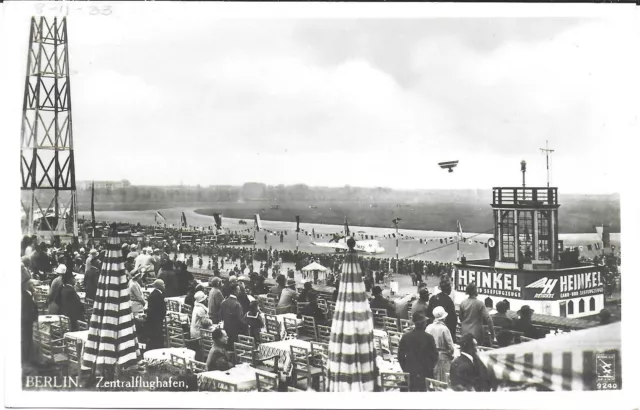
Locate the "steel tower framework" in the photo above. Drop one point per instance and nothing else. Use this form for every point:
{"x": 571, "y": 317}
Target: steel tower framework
{"x": 48, "y": 186}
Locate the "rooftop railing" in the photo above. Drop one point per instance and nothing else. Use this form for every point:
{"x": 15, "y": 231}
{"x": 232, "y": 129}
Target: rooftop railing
{"x": 531, "y": 196}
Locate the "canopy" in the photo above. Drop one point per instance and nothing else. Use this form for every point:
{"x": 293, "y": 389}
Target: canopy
{"x": 314, "y": 266}
{"x": 351, "y": 362}
{"x": 112, "y": 338}
{"x": 571, "y": 361}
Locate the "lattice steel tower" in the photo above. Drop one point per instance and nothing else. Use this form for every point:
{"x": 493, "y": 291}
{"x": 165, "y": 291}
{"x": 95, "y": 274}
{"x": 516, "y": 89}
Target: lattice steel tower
{"x": 46, "y": 164}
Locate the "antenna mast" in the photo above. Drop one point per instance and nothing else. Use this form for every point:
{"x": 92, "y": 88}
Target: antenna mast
{"x": 547, "y": 151}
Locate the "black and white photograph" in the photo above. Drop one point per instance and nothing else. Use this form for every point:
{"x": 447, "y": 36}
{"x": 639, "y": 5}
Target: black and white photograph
{"x": 318, "y": 198}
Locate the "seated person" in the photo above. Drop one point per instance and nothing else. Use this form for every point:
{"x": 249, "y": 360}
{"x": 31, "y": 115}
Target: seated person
{"x": 525, "y": 325}
{"x": 500, "y": 319}
{"x": 379, "y": 302}
{"x": 313, "y": 310}
{"x": 217, "y": 358}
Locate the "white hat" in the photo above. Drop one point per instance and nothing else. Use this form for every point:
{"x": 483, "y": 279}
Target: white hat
{"x": 61, "y": 269}
{"x": 81, "y": 250}
{"x": 439, "y": 313}
{"x": 199, "y": 296}
{"x": 134, "y": 246}
{"x": 124, "y": 245}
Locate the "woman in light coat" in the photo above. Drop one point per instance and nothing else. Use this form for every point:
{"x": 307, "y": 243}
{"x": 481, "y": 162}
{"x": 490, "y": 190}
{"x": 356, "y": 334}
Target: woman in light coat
{"x": 135, "y": 292}
{"x": 200, "y": 316}
{"x": 442, "y": 336}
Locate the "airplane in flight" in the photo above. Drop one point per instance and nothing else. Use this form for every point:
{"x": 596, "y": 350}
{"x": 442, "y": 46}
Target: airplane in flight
{"x": 370, "y": 246}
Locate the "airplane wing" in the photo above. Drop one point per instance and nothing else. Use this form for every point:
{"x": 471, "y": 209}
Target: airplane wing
{"x": 331, "y": 245}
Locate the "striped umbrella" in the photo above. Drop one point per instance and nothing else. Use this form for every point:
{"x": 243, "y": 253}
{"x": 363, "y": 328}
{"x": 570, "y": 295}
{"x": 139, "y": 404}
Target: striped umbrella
{"x": 572, "y": 361}
{"x": 112, "y": 338}
{"x": 351, "y": 362}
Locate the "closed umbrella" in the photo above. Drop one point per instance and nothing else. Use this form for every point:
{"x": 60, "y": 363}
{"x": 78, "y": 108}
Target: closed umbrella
{"x": 351, "y": 362}
{"x": 112, "y": 338}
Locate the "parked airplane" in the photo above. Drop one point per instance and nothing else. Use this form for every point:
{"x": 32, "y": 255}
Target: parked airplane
{"x": 371, "y": 246}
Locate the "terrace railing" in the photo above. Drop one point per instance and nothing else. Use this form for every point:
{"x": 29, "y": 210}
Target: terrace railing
{"x": 532, "y": 196}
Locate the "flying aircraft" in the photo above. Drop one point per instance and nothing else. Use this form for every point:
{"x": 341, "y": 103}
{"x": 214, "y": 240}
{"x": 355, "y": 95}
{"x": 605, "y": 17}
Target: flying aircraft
{"x": 339, "y": 242}
{"x": 450, "y": 165}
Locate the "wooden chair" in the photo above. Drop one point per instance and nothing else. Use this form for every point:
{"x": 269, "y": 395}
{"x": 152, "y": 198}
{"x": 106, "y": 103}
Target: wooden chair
{"x": 324, "y": 333}
{"x": 308, "y": 330}
{"x": 378, "y": 317}
{"x": 436, "y": 385}
{"x": 175, "y": 334}
{"x": 51, "y": 349}
{"x": 73, "y": 351}
{"x": 394, "y": 342}
{"x": 179, "y": 361}
{"x": 272, "y": 325}
{"x": 247, "y": 340}
{"x": 82, "y": 325}
{"x": 40, "y": 298}
{"x": 291, "y": 326}
{"x": 516, "y": 336}
{"x": 394, "y": 381}
{"x": 224, "y": 386}
{"x": 172, "y": 305}
{"x": 377, "y": 344}
{"x": 267, "y": 337}
{"x": 331, "y": 308}
{"x": 266, "y": 382}
{"x": 405, "y": 325}
{"x": 302, "y": 368}
{"x": 196, "y": 366}
{"x": 245, "y": 353}
{"x": 301, "y": 306}
{"x": 186, "y": 309}
{"x": 319, "y": 354}
{"x": 391, "y": 323}
{"x": 206, "y": 341}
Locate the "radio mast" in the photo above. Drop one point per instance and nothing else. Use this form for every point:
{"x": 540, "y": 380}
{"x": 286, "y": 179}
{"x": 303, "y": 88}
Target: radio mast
{"x": 547, "y": 151}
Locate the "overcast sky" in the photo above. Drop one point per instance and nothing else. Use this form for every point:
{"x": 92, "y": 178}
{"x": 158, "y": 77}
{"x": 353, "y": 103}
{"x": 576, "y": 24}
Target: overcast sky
{"x": 360, "y": 102}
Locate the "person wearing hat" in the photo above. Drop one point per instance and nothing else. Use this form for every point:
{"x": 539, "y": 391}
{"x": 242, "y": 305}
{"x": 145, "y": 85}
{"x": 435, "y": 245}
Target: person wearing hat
{"x": 312, "y": 309}
{"x": 215, "y": 300}
{"x": 380, "y": 302}
{"x": 468, "y": 373}
{"x": 135, "y": 292}
{"x": 69, "y": 301}
{"x": 254, "y": 320}
{"x": 91, "y": 277}
{"x": 525, "y": 325}
{"x": 306, "y": 290}
{"x": 54, "y": 290}
{"x": 444, "y": 342}
{"x": 287, "y": 298}
{"x": 28, "y": 317}
{"x": 217, "y": 358}
{"x": 125, "y": 250}
{"x": 133, "y": 251}
{"x": 143, "y": 263}
{"x": 500, "y": 319}
{"x": 200, "y": 315}
{"x": 417, "y": 353}
{"x": 232, "y": 279}
{"x": 280, "y": 285}
{"x": 443, "y": 299}
{"x": 156, "y": 313}
{"x": 474, "y": 316}
{"x": 422, "y": 304}
{"x": 232, "y": 315}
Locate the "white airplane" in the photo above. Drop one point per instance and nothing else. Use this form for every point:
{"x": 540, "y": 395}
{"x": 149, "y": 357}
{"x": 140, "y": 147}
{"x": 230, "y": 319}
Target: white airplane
{"x": 370, "y": 246}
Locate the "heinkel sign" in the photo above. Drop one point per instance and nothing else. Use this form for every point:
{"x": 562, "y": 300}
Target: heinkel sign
{"x": 491, "y": 283}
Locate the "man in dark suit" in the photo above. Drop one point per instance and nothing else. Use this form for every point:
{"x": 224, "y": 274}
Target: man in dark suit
{"x": 232, "y": 316}
{"x": 29, "y": 316}
{"x": 379, "y": 302}
{"x": 443, "y": 299}
{"x": 91, "y": 277}
{"x": 170, "y": 280}
{"x": 155, "y": 316}
{"x": 468, "y": 373}
{"x": 417, "y": 353}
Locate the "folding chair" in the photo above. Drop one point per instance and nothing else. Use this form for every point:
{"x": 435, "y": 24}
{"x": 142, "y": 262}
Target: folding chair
{"x": 302, "y": 368}
{"x": 324, "y": 333}
{"x": 378, "y": 315}
{"x": 206, "y": 341}
{"x": 331, "y": 308}
{"x": 172, "y": 305}
{"x": 179, "y": 361}
{"x": 73, "y": 351}
{"x": 186, "y": 309}
{"x": 267, "y": 337}
{"x": 51, "y": 349}
{"x": 247, "y": 340}
{"x": 196, "y": 366}
{"x": 394, "y": 381}
{"x": 308, "y": 330}
{"x": 391, "y": 323}
{"x": 322, "y": 304}
{"x": 175, "y": 334}
{"x": 266, "y": 382}
{"x": 291, "y": 327}
{"x": 319, "y": 354}
{"x": 245, "y": 353}
{"x": 436, "y": 385}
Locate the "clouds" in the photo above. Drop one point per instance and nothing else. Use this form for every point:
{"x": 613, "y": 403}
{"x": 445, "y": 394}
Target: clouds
{"x": 370, "y": 102}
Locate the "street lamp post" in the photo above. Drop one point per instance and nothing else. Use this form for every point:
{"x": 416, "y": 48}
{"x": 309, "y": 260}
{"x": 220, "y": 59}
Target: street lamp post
{"x": 395, "y": 222}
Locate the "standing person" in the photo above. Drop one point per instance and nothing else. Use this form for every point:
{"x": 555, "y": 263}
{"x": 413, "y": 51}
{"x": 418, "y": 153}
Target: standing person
{"x": 422, "y": 304}
{"x": 135, "y": 293}
{"x": 231, "y": 315}
{"x": 91, "y": 277}
{"x": 417, "y": 353}
{"x": 474, "y": 316}
{"x": 200, "y": 315}
{"x": 280, "y": 285}
{"x": 444, "y": 342}
{"x": 243, "y": 298}
{"x": 70, "y": 303}
{"x": 253, "y": 319}
{"x": 467, "y": 371}
{"x": 443, "y": 299}
{"x": 28, "y": 318}
{"x": 54, "y": 290}
{"x": 156, "y": 312}
{"x": 215, "y": 300}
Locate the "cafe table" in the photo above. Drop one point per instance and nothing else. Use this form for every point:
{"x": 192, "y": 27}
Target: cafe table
{"x": 282, "y": 349}
{"x": 165, "y": 354}
{"x": 243, "y": 376}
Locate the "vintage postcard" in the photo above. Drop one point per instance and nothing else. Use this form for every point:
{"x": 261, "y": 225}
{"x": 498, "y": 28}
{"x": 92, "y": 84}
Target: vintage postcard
{"x": 319, "y": 198}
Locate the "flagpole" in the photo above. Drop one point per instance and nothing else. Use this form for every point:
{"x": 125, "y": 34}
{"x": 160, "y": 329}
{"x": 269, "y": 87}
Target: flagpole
{"x": 297, "y": 235}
